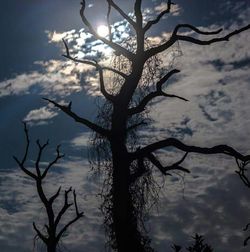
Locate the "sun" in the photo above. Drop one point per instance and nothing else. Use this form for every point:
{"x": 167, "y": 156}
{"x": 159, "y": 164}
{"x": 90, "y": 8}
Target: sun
{"x": 102, "y": 30}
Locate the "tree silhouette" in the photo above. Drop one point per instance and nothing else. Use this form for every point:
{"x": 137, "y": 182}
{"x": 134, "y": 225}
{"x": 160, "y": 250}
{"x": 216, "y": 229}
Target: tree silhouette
{"x": 53, "y": 234}
{"x": 197, "y": 246}
{"x": 130, "y": 166}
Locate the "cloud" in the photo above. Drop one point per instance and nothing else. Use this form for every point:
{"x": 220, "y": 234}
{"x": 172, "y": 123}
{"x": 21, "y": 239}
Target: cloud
{"x": 56, "y": 78}
{"x": 81, "y": 141}
{"x": 40, "y": 116}
{"x": 55, "y": 37}
{"x": 175, "y": 9}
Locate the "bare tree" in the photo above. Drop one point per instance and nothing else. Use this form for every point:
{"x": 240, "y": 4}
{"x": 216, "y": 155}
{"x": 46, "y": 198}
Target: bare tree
{"x": 53, "y": 234}
{"x": 131, "y": 167}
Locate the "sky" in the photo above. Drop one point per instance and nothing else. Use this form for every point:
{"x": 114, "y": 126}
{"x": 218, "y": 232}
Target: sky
{"x": 211, "y": 200}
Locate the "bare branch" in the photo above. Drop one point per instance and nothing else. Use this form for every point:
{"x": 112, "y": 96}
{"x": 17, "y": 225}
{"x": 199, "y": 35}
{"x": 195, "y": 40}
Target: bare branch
{"x": 40, "y": 235}
{"x": 41, "y": 148}
{"x": 175, "y": 37}
{"x": 78, "y": 216}
{"x": 29, "y": 173}
{"x": 65, "y": 206}
{"x": 21, "y": 163}
{"x": 99, "y": 68}
{"x": 195, "y": 29}
{"x": 58, "y": 156}
{"x": 102, "y": 85}
{"x": 166, "y": 169}
{"x": 52, "y": 198}
{"x": 157, "y": 163}
{"x": 64, "y": 229}
{"x": 91, "y": 63}
{"x": 138, "y": 14}
{"x": 114, "y": 46}
{"x": 67, "y": 110}
{"x": 172, "y": 142}
{"x": 122, "y": 13}
{"x": 176, "y": 166}
{"x": 214, "y": 40}
{"x": 76, "y": 206}
{"x": 27, "y": 142}
{"x": 148, "y": 98}
{"x": 157, "y": 20}
{"x": 108, "y": 20}
{"x": 242, "y": 172}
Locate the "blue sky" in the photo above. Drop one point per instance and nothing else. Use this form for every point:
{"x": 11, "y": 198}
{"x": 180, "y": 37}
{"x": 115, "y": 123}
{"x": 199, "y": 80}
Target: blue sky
{"x": 211, "y": 200}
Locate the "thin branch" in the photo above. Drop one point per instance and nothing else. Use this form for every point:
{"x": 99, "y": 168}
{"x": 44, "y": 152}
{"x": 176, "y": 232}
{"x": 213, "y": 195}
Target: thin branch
{"x": 21, "y": 163}
{"x": 65, "y": 206}
{"x": 58, "y": 156}
{"x": 122, "y": 13}
{"x": 52, "y": 198}
{"x": 214, "y": 40}
{"x": 157, "y": 163}
{"x": 157, "y": 20}
{"x": 64, "y": 229}
{"x": 41, "y": 148}
{"x": 67, "y": 110}
{"x": 113, "y": 45}
{"x": 76, "y": 206}
{"x": 29, "y": 173}
{"x": 176, "y": 166}
{"x": 27, "y": 142}
{"x": 175, "y": 37}
{"x": 148, "y": 98}
{"x": 166, "y": 169}
{"x": 89, "y": 62}
{"x": 242, "y": 169}
{"x": 108, "y": 20}
{"x": 102, "y": 85}
{"x": 78, "y": 216}
{"x": 172, "y": 142}
{"x": 195, "y": 29}
{"x": 40, "y": 235}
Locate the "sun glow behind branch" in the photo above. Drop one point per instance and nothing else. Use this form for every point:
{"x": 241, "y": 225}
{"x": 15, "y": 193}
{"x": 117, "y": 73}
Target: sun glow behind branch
{"x": 102, "y": 30}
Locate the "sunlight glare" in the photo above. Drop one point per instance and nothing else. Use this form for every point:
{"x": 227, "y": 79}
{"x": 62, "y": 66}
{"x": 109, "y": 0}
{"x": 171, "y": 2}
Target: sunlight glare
{"x": 102, "y": 30}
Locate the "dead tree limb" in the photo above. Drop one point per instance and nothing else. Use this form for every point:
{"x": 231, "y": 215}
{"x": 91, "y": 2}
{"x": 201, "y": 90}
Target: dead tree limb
{"x": 67, "y": 110}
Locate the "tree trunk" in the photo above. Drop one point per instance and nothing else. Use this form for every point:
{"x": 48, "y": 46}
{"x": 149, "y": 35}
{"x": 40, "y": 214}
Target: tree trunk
{"x": 127, "y": 237}
{"x": 51, "y": 246}
{"x": 125, "y": 223}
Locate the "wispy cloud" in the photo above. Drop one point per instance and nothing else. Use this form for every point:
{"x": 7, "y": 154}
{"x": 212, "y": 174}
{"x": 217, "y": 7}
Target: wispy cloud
{"x": 40, "y": 116}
